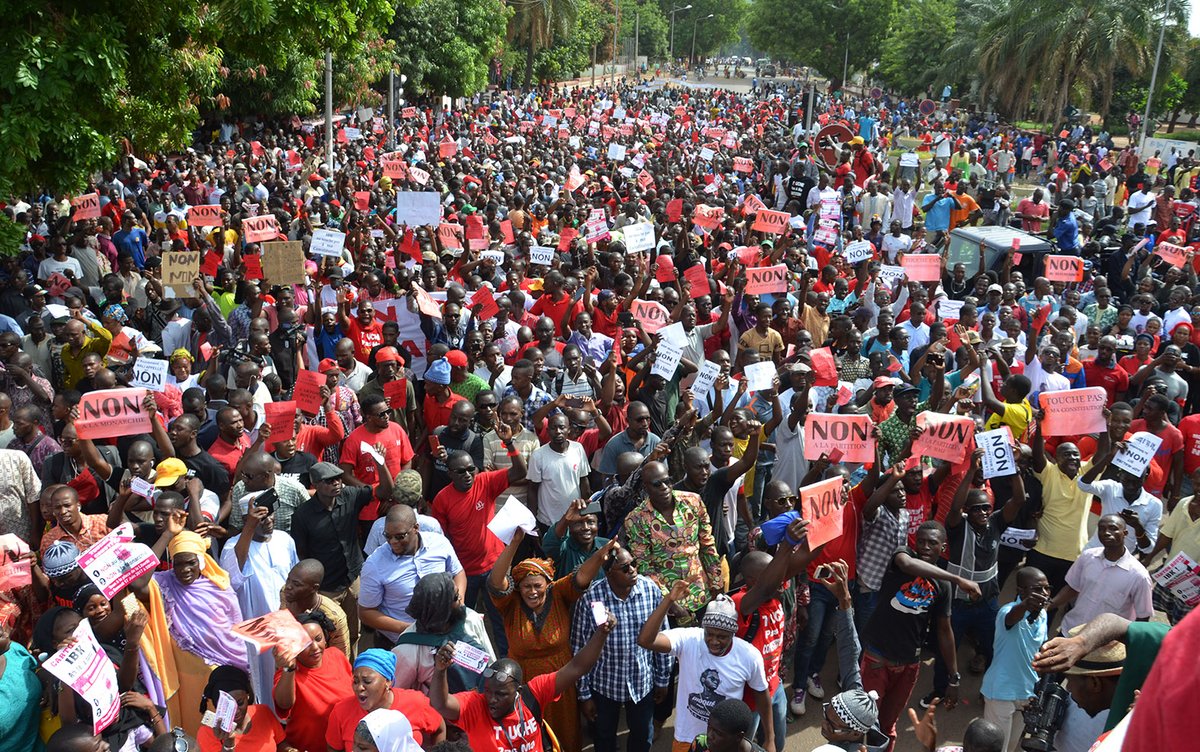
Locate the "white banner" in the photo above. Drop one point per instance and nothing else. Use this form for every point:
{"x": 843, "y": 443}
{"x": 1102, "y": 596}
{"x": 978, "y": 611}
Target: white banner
{"x": 85, "y": 667}
{"x": 998, "y": 459}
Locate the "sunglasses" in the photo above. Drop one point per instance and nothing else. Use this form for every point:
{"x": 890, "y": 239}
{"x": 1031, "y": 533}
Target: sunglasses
{"x": 499, "y": 674}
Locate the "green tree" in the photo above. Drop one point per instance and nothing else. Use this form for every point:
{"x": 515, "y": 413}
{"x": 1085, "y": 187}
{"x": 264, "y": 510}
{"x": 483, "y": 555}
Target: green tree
{"x": 592, "y": 34}
{"x": 446, "y": 46}
{"x": 651, "y": 26}
{"x": 853, "y": 30}
{"x": 912, "y": 52}
{"x": 537, "y": 24}
{"x": 711, "y": 34}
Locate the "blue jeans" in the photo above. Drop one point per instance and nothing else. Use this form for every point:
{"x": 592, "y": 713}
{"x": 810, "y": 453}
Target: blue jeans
{"x": 638, "y": 715}
{"x": 864, "y": 605}
{"x": 476, "y": 586}
{"x": 812, "y": 649}
{"x": 779, "y": 709}
{"x": 978, "y": 617}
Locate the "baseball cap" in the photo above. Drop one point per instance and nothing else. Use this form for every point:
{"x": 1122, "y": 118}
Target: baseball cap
{"x": 884, "y": 381}
{"x": 995, "y": 288}
{"x": 329, "y": 364}
{"x": 169, "y": 471}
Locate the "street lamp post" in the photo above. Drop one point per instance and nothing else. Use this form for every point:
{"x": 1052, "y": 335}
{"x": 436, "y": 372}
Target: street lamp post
{"x": 673, "y": 12}
{"x": 1162, "y": 32}
{"x": 696, "y": 23}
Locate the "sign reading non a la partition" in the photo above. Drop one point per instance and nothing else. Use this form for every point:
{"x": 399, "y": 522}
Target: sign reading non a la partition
{"x": 851, "y": 434}
{"x": 767, "y": 279}
{"x": 946, "y": 437}
{"x": 205, "y": 215}
{"x": 1064, "y": 268}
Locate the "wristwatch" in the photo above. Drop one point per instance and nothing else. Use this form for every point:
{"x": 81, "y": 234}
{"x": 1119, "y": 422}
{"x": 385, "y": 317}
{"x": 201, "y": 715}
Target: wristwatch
{"x": 955, "y": 679}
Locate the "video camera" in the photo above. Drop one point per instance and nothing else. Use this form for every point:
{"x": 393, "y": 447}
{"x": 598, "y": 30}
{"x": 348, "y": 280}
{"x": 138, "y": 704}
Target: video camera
{"x": 1044, "y": 714}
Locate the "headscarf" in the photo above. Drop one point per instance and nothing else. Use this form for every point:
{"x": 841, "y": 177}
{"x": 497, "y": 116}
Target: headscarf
{"x": 391, "y": 731}
{"x": 382, "y": 662}
{"x": 432, "y": 600}
{"x": 188, "y": 542}
{"x": 183, "y": 352}
{"x": 43, "y": 630}
{"x": 224, "y": 679}
{"x": 84, "y": 595}
{"x": 529, "y": 566}
{"x": 115, "y": 312}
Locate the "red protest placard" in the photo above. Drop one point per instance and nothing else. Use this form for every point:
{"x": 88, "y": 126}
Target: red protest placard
{"x": 923, "y": 267}
{"x": 747, "y": 254}
{"x": 252, "y": 264}
{"x": 665, "y": 271}
{"x": 86, "y": 206}
{"x": 307, "y": 393}
{"x": 645, "y": 180}
{"x": 698, "y": 278}
{"x": 473, "y": 228}
{"x": 1040, "y": 319}
{"x": 258, "y": 229}
{"x": 448, "y": 235}
{"x": 752, "y": 205}
{"x": 674, "y": 209}
{"x": 396, "y": 392}
{"x": 506, "y": 232}
{"x": 709, "y": 217}
{"x": 426, "y": 304}
{"x": 566, "y": 237}
{"x": 447, "y": 149}
{"x": 394, "y": 169}
{"x": 282, "y": 417}
{"x": 362, "y": 200}
{"x": 1073, "y": 412}
{"x": 1064, "y": 268}
{"x": 774, "y": 222}
{"x": 946, "y": 437}
{"x": 208, "y": 215}
{"x": 484, "y": 298}
{"x": 212, "y": 264}
{"x": 767, "y": 279}
{"x": 851, "y": 434}
{"x": 1175, "y": 255}
{"x": 823, "y": 504}
{"x": 743, "y": 164}
{"x": 408, "y": 112}
{"x": 654, "y": 316}
{"x": 824, "y": 366}
{"x": 112, "y": 412}
{"x": 278, "y": 629}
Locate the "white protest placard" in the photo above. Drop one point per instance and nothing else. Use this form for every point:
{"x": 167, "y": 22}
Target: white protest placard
{"x": 328, "y": 243}
{"x": 85, "y": 668}
{"x": 541, "y": 255}
{"x": 496, "y": 257}
{"x": 910, "y": 159}
{"x": 599, "y": 613}
{"x": 616, "y": 152}
{"x": 143, "y": 488}
{"x": 706, "y": 154}
{"x": 149, "y": 373}
{"x": 115, "y": 561}
{"x": 1012, "y": 537}
{"x": 666, "y": 360}
{"x": 1138, "y": 452}
{"x": 674, "y": 334}
{"x": 370, "y": 451}
{"x": 859, "y": 250}
{"x": 706, "y": 377}
{"x": 891, "y": 275}
{"x": 416, "y": 208}
{"x": 512, "y": 515}
{"x": 470, "y": 657}
{"x": 639, "y": 237}
{"x": 226, "y": 705}
{"x": 998, "y": 459}
{"x": 948, "y": 310}
{"x": 760, "y": 375}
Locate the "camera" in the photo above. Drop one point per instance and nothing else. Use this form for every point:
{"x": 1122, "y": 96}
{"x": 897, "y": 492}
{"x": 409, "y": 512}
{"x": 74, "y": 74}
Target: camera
{"x": 296, "y": 332}
{"x": 1044, "y": 714}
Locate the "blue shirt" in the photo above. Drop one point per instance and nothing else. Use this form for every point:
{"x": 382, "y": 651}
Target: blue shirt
{"x": 620, "y": 444}
{"x": 134, "y": 243}
{"x": 1066, "y": 232}
{"x": 937, "y": 218}
{"x": 387, "y": 580}
{"x": 1011, "y": 676}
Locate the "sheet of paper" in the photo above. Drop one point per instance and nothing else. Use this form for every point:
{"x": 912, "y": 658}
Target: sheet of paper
{"x": 226, "y": 710}
{"x": 512, "y": 515}
{"x": 706, "y": 377}
{"x": 759, "y": 375}
{"x": 666, "y": 360}
{"x": 599, "y": 613}
{"x": 470, "y": 657}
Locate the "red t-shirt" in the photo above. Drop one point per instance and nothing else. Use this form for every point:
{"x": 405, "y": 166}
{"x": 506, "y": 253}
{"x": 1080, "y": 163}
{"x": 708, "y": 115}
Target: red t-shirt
{"x": 767, "y": 639}
{"x": 365, "y": 339}
{"x": 464, "y": 517}
{"x": 438, "y": 413}
{"x": 1170, "y": 688}
{"x": 1172, "y": 443}
{"x": 229, "y": 454}
{"x": 264, "y": 735}
{"x": 556, "y": 310}
{"x": 397, "y": 452}
{"x": 1115, "y": 380}
{"x": 606, "y": 324}
{"x": 1190, "y": 428}
{"x": 519, "y": 731}
{"x": 344, "y": 718}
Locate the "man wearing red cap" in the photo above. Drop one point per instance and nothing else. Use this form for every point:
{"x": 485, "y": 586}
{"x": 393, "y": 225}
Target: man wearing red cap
{"x": 462, "y": 382}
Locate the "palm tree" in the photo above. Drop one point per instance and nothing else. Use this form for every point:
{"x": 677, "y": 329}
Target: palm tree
{"x": 536, "y": 24}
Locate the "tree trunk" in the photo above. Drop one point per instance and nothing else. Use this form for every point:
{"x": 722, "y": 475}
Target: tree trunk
{"x": 1192, "y": 120}
{"x": 1174, "y": 116}
{"x": 529, "y": 53}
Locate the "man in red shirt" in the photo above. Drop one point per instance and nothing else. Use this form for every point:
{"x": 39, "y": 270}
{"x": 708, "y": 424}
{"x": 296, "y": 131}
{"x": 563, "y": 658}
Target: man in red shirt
{"x": 232, "y": 441}
{"x": 439, "y": 400}
{"x": 1032, "y": 211}
{"x": 381, "y": 435}
{"x": 1103, "y": 370}
{"x": 555, "y": 303}
{"x": 1168, "y": 458}
{"x": 364, "y": 330}
{"x": 1190, "y": 428}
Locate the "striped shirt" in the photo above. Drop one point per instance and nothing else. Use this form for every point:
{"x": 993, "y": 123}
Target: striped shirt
{"x": 625, "y": 671}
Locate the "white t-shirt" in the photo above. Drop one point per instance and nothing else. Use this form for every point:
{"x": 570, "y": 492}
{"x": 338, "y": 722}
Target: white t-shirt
{"x": 790, "y": 465}
{"x": 893, "y": 245}
{"x": 50, "y": 265}
{"x": 558, "y": 476}
{"x": 706, "y": 679}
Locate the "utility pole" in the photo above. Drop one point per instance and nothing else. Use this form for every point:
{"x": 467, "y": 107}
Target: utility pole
{"x": 695, "y": 23}
{"x": 391, "y": 110}
{"x": 616, "y": 31}
{"x": 1162, "y": 32}
{"x": 673, "y": 12}
{"x": 637, "y": 38}
{"x": 329, "y": 110}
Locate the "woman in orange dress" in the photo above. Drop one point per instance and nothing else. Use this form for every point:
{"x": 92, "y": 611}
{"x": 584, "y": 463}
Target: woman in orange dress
{"x": 537, "y": 621}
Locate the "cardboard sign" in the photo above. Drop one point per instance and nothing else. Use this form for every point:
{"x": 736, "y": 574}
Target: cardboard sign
{"x": 698, "y": 278}
{"x": 851, "y": 434}
{"x": 327, "y": 243}
{"x": 416, "y": 208}
{"x": 653, "y": 315}
{"x": 666, "y": 359}
{"x": 278, "y": 629}
{"x": 923, "y": 267}
{"x": 149, "y": 373}
{"x": 706, "y": 377}
{"x": 86, "y": 206}
{"x": 258, "y": 229}
{"x": 946, "y": 437}
{"x": 542, "y": 255}
{"x": 116, "y": 560}
{"x": 638, "y": 237}
{"x": 307, "y": 392}
{"x": 1073, "y": 412}
{"x": 1138, "y": 452}
{"x": 207, "y": 215}
{"x": 823, "y": 503}
{"x": 108, "y": 413}
{"x": 1064, "y": 268}
{"x": 1175, "y": 255}
{"x": 283, "y": 262}
{"x": 282, "y": 417}
{"x": 759, "y": 376}
{"x": 773, "y": 222}
{"x": 858, "y": 251}
{"x": 86, "y": 668}
{"x": 767, "y": 279}
{"x": 998, "y": 458}
{"x": 179, "y": 270}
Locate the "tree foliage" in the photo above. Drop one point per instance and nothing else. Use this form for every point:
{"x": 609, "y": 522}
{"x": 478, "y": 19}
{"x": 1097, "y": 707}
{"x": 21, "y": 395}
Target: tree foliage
{"x": 817, "y": 33}
{"x": 446, "y": 46}
{"x": 537, "y": 24}
{"x": 912, "y": 53}
{"x": 711, "y": 33}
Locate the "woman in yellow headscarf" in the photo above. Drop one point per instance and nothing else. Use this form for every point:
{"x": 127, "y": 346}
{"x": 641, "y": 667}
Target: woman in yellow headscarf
{"x": 200, "y": 609}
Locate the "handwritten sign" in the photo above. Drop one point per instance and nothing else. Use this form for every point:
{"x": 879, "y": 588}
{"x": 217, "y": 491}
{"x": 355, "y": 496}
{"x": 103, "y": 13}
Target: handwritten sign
{"x": 823, "y": 504}
{"x": 653, "y": 315}
{"x": 416, "y": 208}
{"x": 767, "y": 279}
{"x": 638, "y": 237}
{"x": 206, "y": 215}
{"x": 921, "y": 267}
{"x": 179, "y": 269}
{"x": 282, "y": 418}
{"x": 1064, "y": 268}
{"x": 706, "y": 377}
{"x": 851, "y": 434}
{"x": 115, "y": 561}
{"x": 946, "y": 437}
{"x": 998, "y": 457}
{"x": 1138, "y": 452}
{"x": 86, "y": 668}
{"x": 1073, "y": 412}
{"x": 666, "y": 359}
{"x": 112, "y": 412}
{"x": 149, "y": 373}
{"x": 773, "y": 222}
{"x": 307, "y": 392}
{"x": 858, "y": 251}
{"x": 258, "y": 229}
{"x": 327, "y": 243}
{"x": 283, "y": 262}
